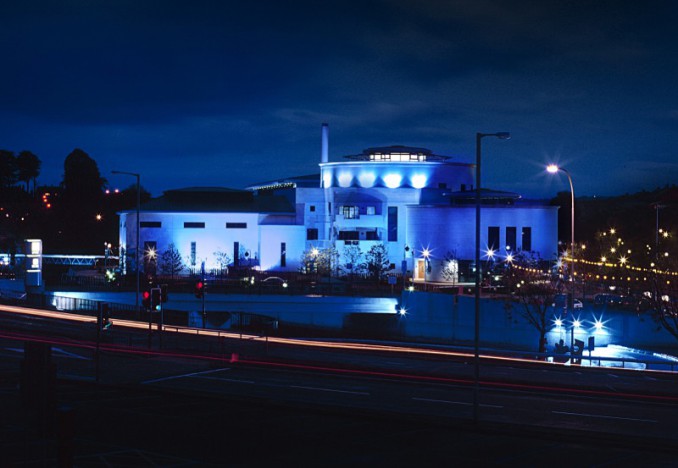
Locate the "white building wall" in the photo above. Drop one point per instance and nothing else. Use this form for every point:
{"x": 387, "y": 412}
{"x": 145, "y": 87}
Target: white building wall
{"x": 212, "y": 238}
{"x": 271, "y": 238}
{"x": 444, "y": 229}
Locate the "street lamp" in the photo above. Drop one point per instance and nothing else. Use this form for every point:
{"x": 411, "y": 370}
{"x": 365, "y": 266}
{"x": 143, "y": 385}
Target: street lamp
{"x": 426, "y": 254}
{"x": 476, "y": 345}
{"x": 552, "y": 169}
{"x": 136, "y": 302}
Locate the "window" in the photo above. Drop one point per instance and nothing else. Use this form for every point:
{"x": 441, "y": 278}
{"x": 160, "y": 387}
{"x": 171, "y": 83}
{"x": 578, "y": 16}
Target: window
{"x": 283, "y": 254}
{"x": 510, "y": 237}
{"x": 371, "y": 210}
{"x": 442, "y": 185}
{"x": 236, "y": 225}
{"x": 350, "y": 212}
{"x": 371, "y": 235}
{"x": 349, "y": 235}
{"x": 150, "y": 224}
{"x": 493, "y": 237}
{"x": 312, "y": 234}
{"x": 527, "y": 239}
{"x": 393, "y": 224}
{"x": 190, "y": 225}
{"x": 193, "y": 255}
{"x": 311, "y": 208}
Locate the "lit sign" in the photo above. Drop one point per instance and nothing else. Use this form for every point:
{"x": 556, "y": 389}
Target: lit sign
{"x": 33, "y": 248}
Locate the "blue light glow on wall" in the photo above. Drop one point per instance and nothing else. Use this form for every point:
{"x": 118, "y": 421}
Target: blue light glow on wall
{"x": 345, "y": 178}
{"x": 327, "y": 179}
{"x": 418, "y": 181}
{"x": 367, "y": 179}
{"x": 393, "y": 180}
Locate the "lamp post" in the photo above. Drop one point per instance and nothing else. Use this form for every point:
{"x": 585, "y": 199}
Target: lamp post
{"x": 136, "y": 302}
{"x": 426, "y": 254}
{"x": 552, "y": 169}
{"x": 476, "y": 341}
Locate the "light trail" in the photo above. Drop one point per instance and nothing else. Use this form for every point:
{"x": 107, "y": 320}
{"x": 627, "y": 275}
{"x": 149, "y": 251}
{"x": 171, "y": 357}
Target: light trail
{"x": 132, "y": 324}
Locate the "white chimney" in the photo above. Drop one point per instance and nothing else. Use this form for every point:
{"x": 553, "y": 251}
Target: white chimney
{"x": 324, "y": 152}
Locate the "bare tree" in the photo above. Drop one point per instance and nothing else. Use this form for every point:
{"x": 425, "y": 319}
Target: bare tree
{"x": 352, "y": 261}
{"x": 533, "y": 292}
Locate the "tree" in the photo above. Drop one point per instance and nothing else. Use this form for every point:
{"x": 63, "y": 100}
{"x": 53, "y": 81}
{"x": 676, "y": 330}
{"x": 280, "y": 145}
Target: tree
{"x": 28, "y": 168}
{"x": 8, "y": 169}
{"x": 328, "y": 260}
{"x": 171, "y": 262}
{"x": 534, "y": 291}
{"x": 82, "y": 177}
{"x": 376, "y": 261}
{"x": 451, "y": 267}
{"x": 319, "y": 261}
{"x": 352, "y": 260}
{"x": 223, "y": 260}
{"x": 309, "y": 261}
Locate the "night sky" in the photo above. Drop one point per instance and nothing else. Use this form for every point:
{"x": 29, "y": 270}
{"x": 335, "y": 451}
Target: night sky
{"x": 225, "y": 93}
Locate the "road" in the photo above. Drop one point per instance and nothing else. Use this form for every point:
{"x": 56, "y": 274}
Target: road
{"x": 431, "y": 385}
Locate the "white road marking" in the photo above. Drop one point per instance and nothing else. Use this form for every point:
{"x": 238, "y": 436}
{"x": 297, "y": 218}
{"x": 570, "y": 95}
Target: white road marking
{"x": 602, "y": 416}
{"x": 329, "y": 390}
{"x": 225, "y": 380}
{"x": 184, "y": 375}
{"x": 67, "y": 354}
{"x": 58, "y": 353}
{"x": 463, "y": 403}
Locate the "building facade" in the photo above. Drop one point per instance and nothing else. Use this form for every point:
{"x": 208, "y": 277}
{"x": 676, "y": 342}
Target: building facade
{"x": 419, "y": 205}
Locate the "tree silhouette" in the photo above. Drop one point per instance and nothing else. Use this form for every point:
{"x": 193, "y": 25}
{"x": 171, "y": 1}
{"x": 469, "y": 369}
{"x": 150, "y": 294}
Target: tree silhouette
{"x": 534, "y": 291}
{"x": 8, "y": 169}
{"x": 84, "y": 224}
{"x": 377, "y": 261}
{"x": 171, "y": 262}
{"x": 28, "y": 168}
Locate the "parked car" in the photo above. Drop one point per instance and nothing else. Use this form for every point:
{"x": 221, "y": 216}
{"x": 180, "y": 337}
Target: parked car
{"x": 560, "y": 302}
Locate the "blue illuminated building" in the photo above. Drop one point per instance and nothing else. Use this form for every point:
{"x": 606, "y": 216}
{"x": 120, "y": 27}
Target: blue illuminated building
{"x": 417, "y": 203}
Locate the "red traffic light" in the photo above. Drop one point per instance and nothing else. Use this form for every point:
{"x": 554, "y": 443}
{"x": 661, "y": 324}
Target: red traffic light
{"x": 146, "y": 299}
{"x": 199, "y": 289}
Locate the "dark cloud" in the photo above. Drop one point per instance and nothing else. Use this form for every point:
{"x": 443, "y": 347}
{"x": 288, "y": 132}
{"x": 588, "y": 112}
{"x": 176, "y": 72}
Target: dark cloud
{"x": 192, "y": 93}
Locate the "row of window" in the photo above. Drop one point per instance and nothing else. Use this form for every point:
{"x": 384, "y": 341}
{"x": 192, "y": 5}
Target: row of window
{"x": 191, "y": 225}
{"x": 151, "y": 254}
{"x": 392, "y": 228}
{"x": 494, "y": 243}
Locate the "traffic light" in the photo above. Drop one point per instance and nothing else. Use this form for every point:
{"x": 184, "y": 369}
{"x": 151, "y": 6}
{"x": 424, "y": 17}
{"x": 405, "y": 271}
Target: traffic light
{"x": 199, "y": 289}
{"x": 105, "y": 316}
{"x": 155, "y": 299}
{"x": 146, "y": 299}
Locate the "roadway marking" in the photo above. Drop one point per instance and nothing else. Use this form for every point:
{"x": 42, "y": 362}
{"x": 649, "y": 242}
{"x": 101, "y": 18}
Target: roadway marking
{"x": 226, "y": 380}
{"x": 184, "y": 375}
{"x": 329, "y": 390}
{"x": 602, "y": 416}
{"x": 72, "y": 355}
{"x": 58, "y": 353}
{"x": 612, "y": 375}
{"x": 463, "y": 403}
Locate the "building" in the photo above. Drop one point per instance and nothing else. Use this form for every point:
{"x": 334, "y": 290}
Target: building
{"x": 419, "y": 205}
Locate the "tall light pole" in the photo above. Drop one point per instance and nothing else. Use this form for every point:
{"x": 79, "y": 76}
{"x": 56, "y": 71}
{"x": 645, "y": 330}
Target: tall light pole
{"x": 426, "y": 254}
{"x": 136, "y": 301}
{"x": 552, "y": 169}
{"x": 476, "y": 341}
